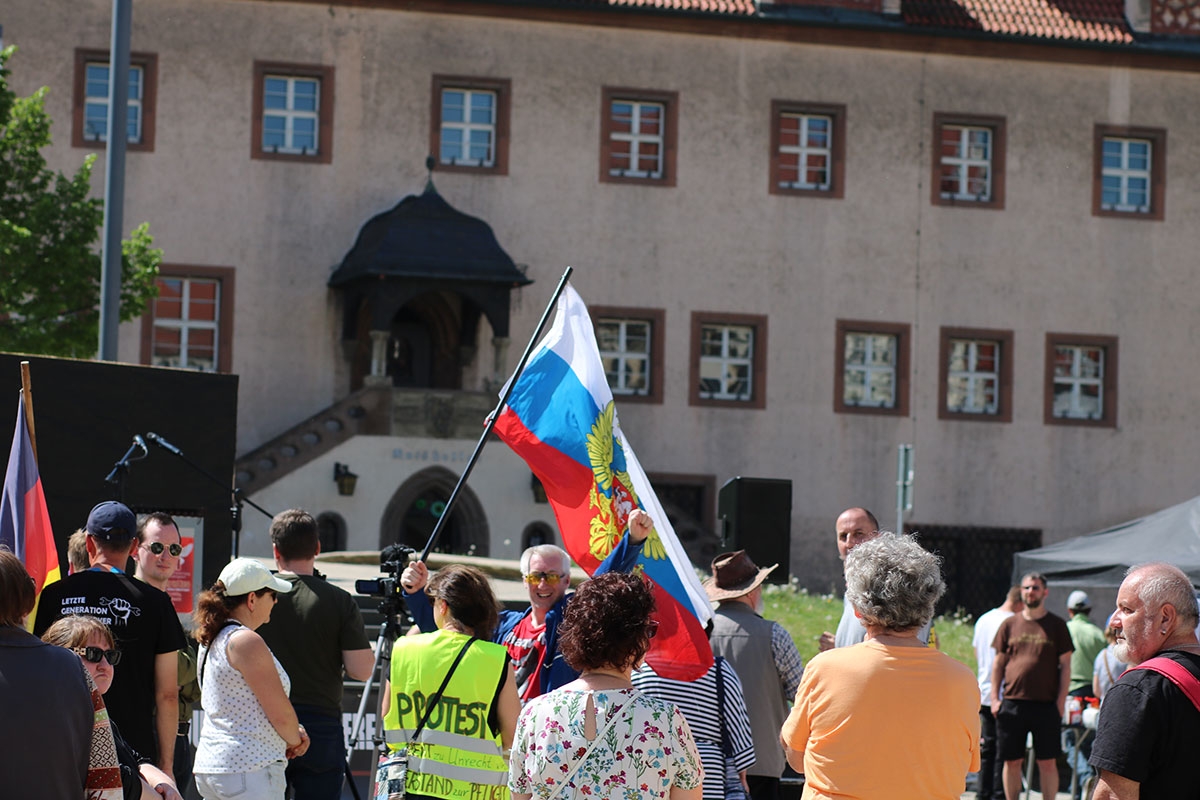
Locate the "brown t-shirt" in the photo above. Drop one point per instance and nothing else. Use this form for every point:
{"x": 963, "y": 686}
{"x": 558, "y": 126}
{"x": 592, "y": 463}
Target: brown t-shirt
{"x": 1033, "y": 648}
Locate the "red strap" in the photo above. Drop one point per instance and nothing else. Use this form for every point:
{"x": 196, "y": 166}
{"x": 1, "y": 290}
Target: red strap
{"x": 1177, "y": 674}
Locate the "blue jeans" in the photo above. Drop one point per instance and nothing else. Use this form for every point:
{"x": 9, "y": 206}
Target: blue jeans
{"x": 1077, "y": 760}
{"x": 318, "y": 774}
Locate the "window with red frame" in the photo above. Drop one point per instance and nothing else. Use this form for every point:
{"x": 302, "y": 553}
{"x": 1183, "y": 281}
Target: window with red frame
{"x": 186, "y": 329}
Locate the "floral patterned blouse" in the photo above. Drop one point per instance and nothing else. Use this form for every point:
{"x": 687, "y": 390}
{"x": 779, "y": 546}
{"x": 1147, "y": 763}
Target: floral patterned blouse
{"x": 646, "y": 750}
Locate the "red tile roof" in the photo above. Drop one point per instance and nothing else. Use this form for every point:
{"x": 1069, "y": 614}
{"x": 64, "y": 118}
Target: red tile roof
{"x": 1073, "y": 20}
{"x": 1096, "y": 21}
{"x": 744, "y": 8}
{"x": 741, "y": 7}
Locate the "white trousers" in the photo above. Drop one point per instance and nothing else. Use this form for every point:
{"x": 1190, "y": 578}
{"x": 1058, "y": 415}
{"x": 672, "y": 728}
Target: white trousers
{"x": 267, "y": 783}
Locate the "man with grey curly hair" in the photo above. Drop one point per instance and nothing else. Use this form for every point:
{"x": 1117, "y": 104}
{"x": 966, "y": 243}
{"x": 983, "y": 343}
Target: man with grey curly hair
{"x": 886, "y": 687}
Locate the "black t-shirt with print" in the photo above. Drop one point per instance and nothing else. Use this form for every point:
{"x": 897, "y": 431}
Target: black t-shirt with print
{"x": 1147, "y": 732}
{"x": 143, "y": 622}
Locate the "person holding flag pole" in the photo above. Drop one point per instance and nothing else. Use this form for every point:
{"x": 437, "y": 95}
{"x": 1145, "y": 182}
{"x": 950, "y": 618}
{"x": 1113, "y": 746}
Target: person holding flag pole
{"x": 24, "y": 518}
{"x": 558, "y": 415}
{"x": 561, "y": 419}
{"x": 531, "y": 636}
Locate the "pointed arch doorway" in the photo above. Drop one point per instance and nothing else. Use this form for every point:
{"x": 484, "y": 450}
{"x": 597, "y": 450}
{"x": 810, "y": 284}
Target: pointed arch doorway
{"x": 416, "y": 506}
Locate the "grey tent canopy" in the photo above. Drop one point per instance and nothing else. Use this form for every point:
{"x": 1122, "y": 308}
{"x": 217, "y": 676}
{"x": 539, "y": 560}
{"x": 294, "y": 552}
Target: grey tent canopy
{"x": 1100, "y": 559}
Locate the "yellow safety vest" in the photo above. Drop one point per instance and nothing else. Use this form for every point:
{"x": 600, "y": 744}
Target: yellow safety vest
{"x": 457, "y": 757}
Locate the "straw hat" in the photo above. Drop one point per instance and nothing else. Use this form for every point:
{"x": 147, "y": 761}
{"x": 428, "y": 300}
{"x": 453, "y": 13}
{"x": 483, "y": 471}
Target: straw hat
{"x": 733, "y": 575}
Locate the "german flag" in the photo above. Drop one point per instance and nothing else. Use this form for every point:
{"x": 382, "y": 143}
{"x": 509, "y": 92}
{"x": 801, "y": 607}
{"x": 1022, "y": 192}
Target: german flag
{"x": 24, "y": 519}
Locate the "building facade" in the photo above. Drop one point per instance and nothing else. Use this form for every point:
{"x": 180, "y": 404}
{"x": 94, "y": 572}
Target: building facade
{"x": 808, "y": 232}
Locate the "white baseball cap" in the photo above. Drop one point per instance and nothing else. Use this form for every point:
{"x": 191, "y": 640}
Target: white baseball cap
{"x": 245, "y": 575}
{"x": 1079, "y": 600}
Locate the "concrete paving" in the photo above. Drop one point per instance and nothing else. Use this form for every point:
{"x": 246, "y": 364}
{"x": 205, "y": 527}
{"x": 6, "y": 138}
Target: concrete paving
{"x": 343, "y": 568}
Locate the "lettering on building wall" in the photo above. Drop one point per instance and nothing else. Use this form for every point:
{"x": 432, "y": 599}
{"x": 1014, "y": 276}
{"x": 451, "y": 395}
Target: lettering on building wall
{"x": 430, "y": 456}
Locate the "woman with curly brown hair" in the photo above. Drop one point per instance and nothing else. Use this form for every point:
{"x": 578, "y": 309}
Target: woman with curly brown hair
{"x": 250, "y": 727}
{"x": 598, "y": 735}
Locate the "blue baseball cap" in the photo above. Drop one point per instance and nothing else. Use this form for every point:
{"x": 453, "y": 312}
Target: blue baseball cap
{"x": 111, "y": 521}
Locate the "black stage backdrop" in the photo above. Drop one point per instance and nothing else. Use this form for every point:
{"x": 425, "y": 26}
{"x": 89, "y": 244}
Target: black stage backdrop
{"x": 86, "y": 415}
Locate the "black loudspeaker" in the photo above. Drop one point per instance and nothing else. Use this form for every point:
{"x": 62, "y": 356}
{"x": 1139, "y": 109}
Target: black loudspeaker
{"x": 756, "y": 516}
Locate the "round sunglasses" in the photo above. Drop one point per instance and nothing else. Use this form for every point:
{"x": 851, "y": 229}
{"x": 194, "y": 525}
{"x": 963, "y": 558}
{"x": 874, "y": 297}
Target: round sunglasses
{"x": 158, "y": 547}
{"x": 94, "y": 654}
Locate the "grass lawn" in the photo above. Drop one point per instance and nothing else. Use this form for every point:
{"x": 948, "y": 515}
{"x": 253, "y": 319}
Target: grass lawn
{"x": 806, "y": 616}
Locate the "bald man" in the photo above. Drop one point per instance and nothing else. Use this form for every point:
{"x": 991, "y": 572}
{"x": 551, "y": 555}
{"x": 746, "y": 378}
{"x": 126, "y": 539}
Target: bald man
{"x": 853, "y": 527}
{"x": 1146, "y": 738}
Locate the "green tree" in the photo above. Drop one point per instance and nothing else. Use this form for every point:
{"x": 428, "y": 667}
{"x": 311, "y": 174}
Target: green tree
{"x": 49, "y": 227}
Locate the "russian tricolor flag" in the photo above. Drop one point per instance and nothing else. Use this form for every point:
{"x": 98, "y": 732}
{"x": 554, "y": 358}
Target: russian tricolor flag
{"x": 561, "y": 419}
{"x": 24, "y": 518}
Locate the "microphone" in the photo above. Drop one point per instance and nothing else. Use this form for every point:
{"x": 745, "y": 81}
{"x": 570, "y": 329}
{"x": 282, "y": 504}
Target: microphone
{"x": 140, "y": 442}
{"x": 164, "y": 444}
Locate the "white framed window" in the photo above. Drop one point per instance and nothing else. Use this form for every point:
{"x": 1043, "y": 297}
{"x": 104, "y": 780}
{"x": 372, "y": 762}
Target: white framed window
{"x": 1079, "y": 373}
{"x": 726, "y": 362}
{"x": 1125, "y": 174}
{"x": 625, "y": 351}
{"x": 95, "y": 110}
{"x": 291, "y": 115}
{"x": 186, "y": 329}
{"x": 973, "y": 376}
{"x": 869, "y": 369}
{"x": 805, "y": 151}
{"x": 966, "y": 163}
{"x": 468, "y": 133}
{"x": 637, "y": 131}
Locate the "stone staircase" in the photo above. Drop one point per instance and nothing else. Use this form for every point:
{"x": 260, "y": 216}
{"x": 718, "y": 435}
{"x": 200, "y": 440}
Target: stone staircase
{"x": 372, "y": 411}
{"x": 365, "y": 412}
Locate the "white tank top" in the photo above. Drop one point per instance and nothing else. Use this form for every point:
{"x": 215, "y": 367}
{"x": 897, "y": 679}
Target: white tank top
{"x": 236, "y": 735}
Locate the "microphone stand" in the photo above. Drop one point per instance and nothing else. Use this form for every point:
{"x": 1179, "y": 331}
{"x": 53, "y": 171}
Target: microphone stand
{"x": 120, "y": 470}
{"x": 238, "y": 497}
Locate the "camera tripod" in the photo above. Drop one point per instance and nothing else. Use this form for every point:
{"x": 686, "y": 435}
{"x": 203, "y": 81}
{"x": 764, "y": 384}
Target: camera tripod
{"x": 390, "y": 608}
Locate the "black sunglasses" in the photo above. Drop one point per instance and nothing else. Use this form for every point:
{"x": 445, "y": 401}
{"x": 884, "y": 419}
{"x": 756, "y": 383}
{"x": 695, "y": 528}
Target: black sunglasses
{"x": 158, "y": 547}
{"x": 94, "y": 654}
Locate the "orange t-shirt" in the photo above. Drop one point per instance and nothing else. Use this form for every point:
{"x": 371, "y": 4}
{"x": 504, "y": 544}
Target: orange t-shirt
{"x": 877, "y": 720}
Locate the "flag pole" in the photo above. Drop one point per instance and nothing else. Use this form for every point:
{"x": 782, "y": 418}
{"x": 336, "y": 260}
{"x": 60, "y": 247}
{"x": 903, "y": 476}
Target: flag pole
{"x": 491, "y": 420}
{"x": 27, "y": 399}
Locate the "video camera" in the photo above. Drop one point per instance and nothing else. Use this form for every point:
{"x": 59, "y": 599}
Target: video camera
{"x": 392, "y": 560}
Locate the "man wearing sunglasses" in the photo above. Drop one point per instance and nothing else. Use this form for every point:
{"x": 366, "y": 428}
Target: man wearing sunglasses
{"x": 144, "y": 698}
{"x": 531, "y": 636}
{"x": 159, "y": 550}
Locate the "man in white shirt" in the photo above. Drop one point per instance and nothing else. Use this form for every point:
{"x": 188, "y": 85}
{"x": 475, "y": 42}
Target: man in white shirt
{"x": 991, "y": 781}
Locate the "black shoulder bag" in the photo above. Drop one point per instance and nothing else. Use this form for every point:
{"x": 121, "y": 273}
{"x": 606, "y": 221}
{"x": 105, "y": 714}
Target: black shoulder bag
{"x": 733, "y": 783}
